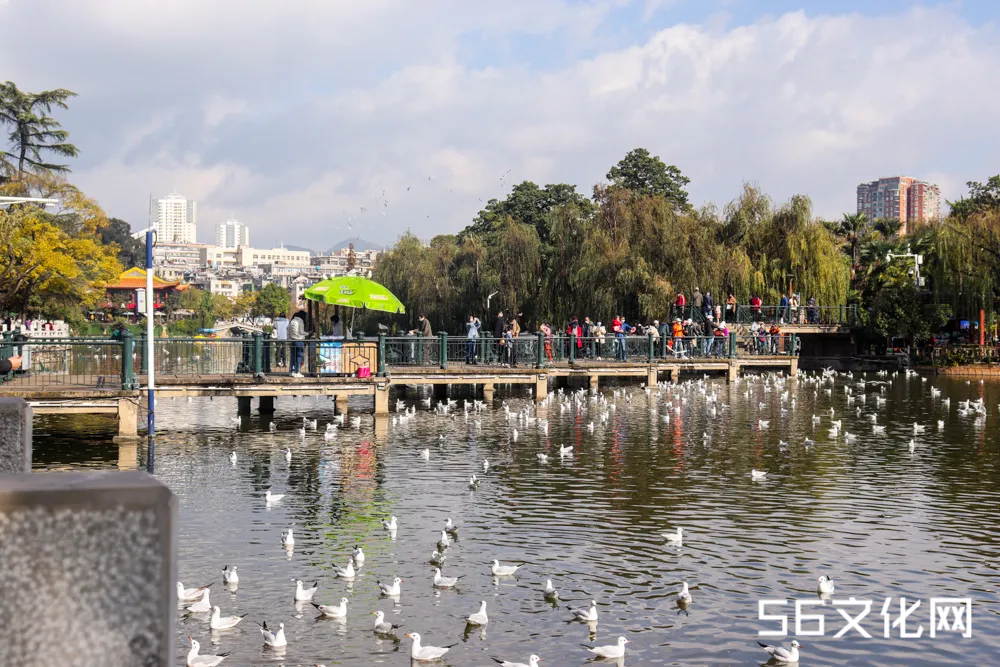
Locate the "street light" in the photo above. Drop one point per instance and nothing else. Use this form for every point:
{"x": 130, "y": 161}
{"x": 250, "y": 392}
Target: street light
{"x": 150, "y": 233}
{"x": 918, "y": 261}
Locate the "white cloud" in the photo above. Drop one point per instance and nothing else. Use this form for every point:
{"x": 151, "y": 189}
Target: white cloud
{"x": 294, "y": 116}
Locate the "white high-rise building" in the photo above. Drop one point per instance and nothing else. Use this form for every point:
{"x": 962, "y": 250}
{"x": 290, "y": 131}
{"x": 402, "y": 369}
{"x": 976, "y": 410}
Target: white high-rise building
{"x": 175, "y": 219}
{"x": 232, "y": 234}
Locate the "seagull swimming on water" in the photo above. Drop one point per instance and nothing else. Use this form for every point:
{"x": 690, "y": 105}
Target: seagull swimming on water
{"x": 499, "y": 570}
{"x": 758, "y": 474}
{"x": 272, "y": 498}
{"x": 588, "y": 614}
{"x": 480, "y": 617}
{"x": 287, "y": 539}
{"x": 190, "y": 594}
{"x": 232, "y": 457}
{"x": 359, "y": 556}
{"x": 333, "y": 611}
{"x": 195, "y": 660}
{"x": 381, "y": 626}
{"x": 274, "y": 639}
{"x": 202, "y": 606}
{"x": 390, "y": 524}
{"x": 346, "y": 572}
{"x": 218, "y": 622}
{"x": 422, "y": 653}
{"x": 229, "y": 575}
{"x": 444, "y": 582}
{"x": 675, "y": 538}
{"x": 532, "y": 662}
{"x": 549, "y": 591}
{"x": 825, "y": 585}
{"x": 611, "y": 651}
{"x": 303, "y": 594}
{"x": 782, "y": 654}
{"x": 391, "y": 590}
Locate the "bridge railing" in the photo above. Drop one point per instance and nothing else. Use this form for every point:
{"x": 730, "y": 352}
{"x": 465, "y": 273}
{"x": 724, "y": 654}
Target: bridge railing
{"x": 846, "y": 315}
{"x": 84, "y": 363}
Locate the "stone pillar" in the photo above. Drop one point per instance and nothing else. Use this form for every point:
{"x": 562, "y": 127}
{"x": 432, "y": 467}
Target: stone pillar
{"x": 242, "y": 405}
{"x": 541, "y": 387}
{"x": 382, "y": 399}
{"x": 651, "y": 376}
{"x": 101, "y": 546}
{"x": 595, "y": 382}
{"x": 265, "y": 405}
{"x": 674, "y": 373}
{"x": 381, "y": 428}
{"x": 341, "y": 402}
{"x": 733, "y": 372}
{"x": 15, "y": 435}
{"x": 793, "y": 369}
{"x": 488, "y": 389}
{"x": 128, "y": 454}
{"x": 128, "y": 416}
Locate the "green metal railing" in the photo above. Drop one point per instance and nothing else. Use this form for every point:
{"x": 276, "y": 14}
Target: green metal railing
{"x": 846, "y": 315}
{"x": 83, "y": 363}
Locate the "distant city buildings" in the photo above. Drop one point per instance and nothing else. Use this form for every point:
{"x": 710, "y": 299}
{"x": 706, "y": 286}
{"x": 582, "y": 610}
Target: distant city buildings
{"x": 175, "y": 219}
{"x": 337, "y": 262}
{"x": 900, "y": 197}
{"x": 232, "y": 234}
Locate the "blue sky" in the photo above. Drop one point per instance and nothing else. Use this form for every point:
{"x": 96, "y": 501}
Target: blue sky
{"x": 297, "y": 117}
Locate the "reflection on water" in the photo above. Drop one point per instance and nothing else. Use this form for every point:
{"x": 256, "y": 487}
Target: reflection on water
{"x": 881, "y": 520}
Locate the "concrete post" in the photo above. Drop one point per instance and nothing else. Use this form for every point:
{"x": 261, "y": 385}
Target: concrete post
{"x": 595, "y": 381}
{"x": 128, "y": 454}
{"x": 128, "y": 416}
{"x": 488, "y": 389}
{"x": 341, "y": 403}
{"x": 242, "y": 405}
{"x": 652, "y": 376}
{"x": 733, "y": 372}
{"x": 382, "y": 399}
{"x": 15, "y": 435}
{"x": 793, "y": 370}
{"x": 265, "y": 405}
{"x": 541, "y": 387}
{"x": 102, "y": 547}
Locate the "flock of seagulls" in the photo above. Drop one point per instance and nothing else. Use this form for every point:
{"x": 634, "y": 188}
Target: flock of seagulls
{"x": 598, "y": 407}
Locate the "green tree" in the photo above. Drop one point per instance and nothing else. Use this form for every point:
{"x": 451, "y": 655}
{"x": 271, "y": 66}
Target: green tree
{"x": 648, "y": 175}
{"x": 271, "y": 301}
{"x": 854, "y": 229}
{"x": 131, "y": 252}
{"x": 526, "y": 204}
{"x": 982, "y": 198}
{"x": 32, "y": 131}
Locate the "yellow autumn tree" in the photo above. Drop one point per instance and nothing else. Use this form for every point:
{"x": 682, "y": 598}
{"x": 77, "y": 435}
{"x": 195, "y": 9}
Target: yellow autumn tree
{"x": 52, "y": 262}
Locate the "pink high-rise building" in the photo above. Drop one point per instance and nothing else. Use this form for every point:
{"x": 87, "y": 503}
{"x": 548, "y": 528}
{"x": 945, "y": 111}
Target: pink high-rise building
{"x": 901, "y": 197}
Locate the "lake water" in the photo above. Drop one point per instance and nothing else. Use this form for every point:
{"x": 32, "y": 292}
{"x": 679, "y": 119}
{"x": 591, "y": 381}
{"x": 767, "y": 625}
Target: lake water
{"x": 883, "y": 521}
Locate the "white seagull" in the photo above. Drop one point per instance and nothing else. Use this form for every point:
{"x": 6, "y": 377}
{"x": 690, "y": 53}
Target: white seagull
{"x": 346, "y": 572}
{"x": 758, "y": 474}
{"x": 190, "y": 594}
{"x": 232, "y": 457}
{"x": 444, "y": 542}
{"x": 565, "y": 450}
{"x": 675, "y": 538}
{"x": 550, "y": 591}
{"x": 359, "y": 556}
{"x": 272, "y": 498}
{"x": 229, "y": 575}
{"x": 195, "y": 660}
{"x": 685, "y": 594}
{"x": 288, "y": 455}
{"x": 825, "y": 585}
{"x": 782, "y": 654}
{"x": 437, "y": 558}
{"x": 588, "y": 614}
{"x": 202, "y": 606}
{"x": 533, "y": 661}
{"x": 333, "y": 611}
{"x": 444, "y": 582}
{"x": 390, "y": 524}
{"x": 499, "y": 570}
{"x": 425, "y": 653}
{"x": 611, "y": 651}
{"x": 381, "y": 626}
{"x": 480, "y": 617}
{"x": 274, "y": 639}
{"x": 391, "y": 590}
{"x": 474, "y": 482}
{"x": 542, "y": 458}
{"x": 449, "y": 527}
{"x": 287, "y": 539}
{"x": 303, "y": 594}
{"x": 217, "y": 622}
{"x": 425, "y": 454}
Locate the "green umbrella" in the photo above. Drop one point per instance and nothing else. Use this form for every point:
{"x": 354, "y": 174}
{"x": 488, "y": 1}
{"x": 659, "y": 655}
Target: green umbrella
{"x": 355, "y": 292}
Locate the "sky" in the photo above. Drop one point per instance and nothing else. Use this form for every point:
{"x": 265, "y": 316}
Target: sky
{"x": 318, "y": 120}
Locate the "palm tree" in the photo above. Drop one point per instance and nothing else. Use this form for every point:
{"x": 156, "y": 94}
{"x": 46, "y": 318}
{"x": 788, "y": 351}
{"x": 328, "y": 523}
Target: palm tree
{"x": 854, "y": 229}
{"x": 32, "y": 130}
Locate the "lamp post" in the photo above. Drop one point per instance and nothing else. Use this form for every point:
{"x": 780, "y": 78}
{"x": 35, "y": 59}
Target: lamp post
{"x": 150, "y": 233}
{"x": 918, "y": 261}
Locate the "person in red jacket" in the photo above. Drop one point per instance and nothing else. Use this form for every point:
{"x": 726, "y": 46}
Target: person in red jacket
{"x": 679, "y": 303}
{"x": 755, "y": 306}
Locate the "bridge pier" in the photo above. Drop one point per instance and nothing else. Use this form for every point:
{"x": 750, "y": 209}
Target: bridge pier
{"x": 595, "y": 382}
{"x": 341, "y": 402}
{"x": 128, "y": 418}
{"x": 733, "y": 373}
{"x": 488, "y": 389}
{"x": 381, "y": 400}
{"x": 674, "y": 373}
{"x": 793, "y": 370}
{"x": 243, "y": 405}
{"x": 265, "y": 405}
{"x": 541, "y": 387}
{"x": 652, "y": 377}
{"x": 127, "y": 454}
